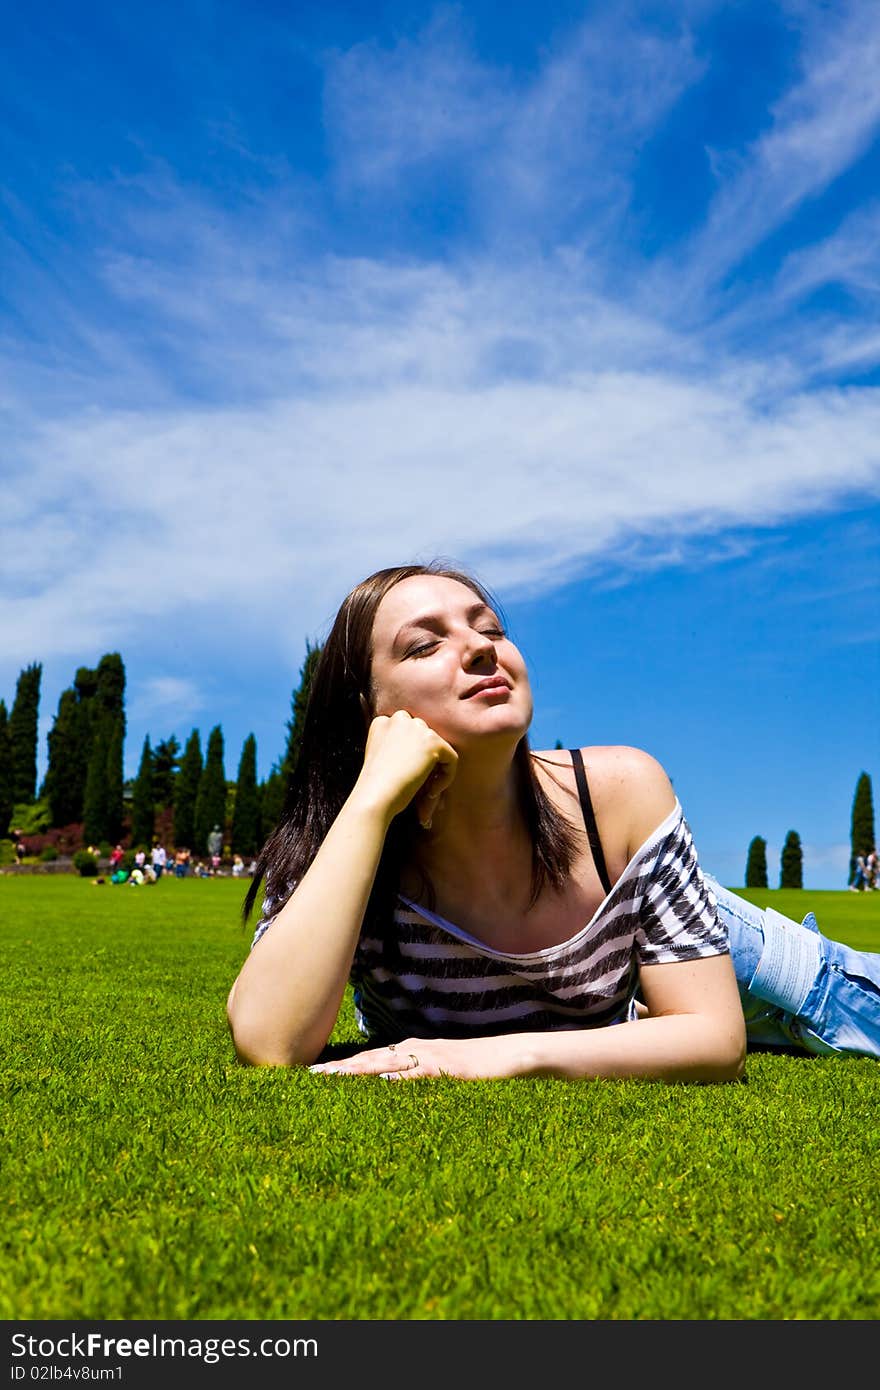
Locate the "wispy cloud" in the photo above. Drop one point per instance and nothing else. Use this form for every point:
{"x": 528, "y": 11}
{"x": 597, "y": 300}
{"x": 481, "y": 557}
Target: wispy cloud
{"x": 525, "y": 152}
{"x": 437, "y": 439}
{"x": 253, "y": 422}
{"x": 817, "y": 129}
{"x": 167, "y": 697}
{"x": 850, "y": 258}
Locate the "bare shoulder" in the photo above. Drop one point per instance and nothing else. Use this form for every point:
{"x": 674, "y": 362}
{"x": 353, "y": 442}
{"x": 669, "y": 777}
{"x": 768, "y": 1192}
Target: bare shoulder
{"x": 613, "y": 765}
{"x": 631, "y": 791}
{"x": 637, "y": 786}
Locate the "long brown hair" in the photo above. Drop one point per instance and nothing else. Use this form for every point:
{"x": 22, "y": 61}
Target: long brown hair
{"x": 331, "y": 755}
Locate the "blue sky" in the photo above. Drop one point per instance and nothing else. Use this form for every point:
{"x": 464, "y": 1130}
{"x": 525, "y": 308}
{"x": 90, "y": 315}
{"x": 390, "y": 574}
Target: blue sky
{"x": 581, "y": 296}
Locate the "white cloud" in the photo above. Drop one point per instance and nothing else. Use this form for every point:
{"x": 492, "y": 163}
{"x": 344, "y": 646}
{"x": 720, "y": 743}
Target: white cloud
{"x": 818, "y": 128}
{"x": 389, "y": 109}
{"x": 526, "y": 151}
{"x": 849, "y": 257}
{"x": 242, "y": 424}
{"x": 827, "y": 857}
{"x": 171, "y": 697}
{"x": 427, "y": 446}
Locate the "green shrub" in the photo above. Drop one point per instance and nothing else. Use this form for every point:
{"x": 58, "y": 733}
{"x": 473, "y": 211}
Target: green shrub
{"x": 127, "y": 861}
{"x": 105, "y": 849}
{"x": 85, "y": 864}
{"x": 48, "y": 854}
{"x": 7, "y": 851}
{"x": 31, "y": 819}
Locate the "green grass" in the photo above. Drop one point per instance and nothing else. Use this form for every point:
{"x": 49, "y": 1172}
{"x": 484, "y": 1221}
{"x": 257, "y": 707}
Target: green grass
{"x": 146, "y": 1175}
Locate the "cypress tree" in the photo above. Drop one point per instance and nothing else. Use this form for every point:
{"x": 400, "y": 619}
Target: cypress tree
{"x": 110, "y": 686}
{"x": 862, "y": 824}
{"x": 756, "y": 863}
{"x": 246, "y": 815}
{"x": 85, "y": 685}
{"x": 272, "y": 793}
{"x": 7, "y": 773}
{"x": 23, "y": 733}
{"x": 96, "y": 821}
{"x": 186, "y": 789}
{"x": 115, "y": 781}
{"x": 791, "y": 868}
{"x": 211, "y": 797}
{"x": 298, "y": 704}
{"x": 166, "y": 761}
{"x": 143, "y": 808}
{"x": 93, "y": 708}
{"x": 66, "y": 771}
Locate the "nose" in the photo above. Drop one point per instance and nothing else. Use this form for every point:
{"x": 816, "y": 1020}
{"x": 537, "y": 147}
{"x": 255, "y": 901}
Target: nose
{"x": 479, "y": 649}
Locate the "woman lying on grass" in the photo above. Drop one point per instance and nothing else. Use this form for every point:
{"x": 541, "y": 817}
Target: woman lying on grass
{"x": 447, "y": 871}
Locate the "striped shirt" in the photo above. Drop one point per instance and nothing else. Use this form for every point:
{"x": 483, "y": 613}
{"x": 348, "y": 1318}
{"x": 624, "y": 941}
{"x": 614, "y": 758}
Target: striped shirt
{"x": 426, "y": 977}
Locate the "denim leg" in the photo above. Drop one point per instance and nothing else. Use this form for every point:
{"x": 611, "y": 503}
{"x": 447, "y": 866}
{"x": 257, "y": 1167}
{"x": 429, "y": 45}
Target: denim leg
{"x": 745, "y": 931}
{"x": 839, "y": 1011}
{"x": 766, "y": 1024}
{"x": 842, "y": 1014}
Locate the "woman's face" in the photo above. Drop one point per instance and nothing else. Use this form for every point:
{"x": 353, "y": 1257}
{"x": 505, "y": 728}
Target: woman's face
{"x": 435, "y": 645}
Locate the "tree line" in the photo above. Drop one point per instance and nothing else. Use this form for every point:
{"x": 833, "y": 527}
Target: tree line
{"x": 791, "y": 862}
{"x": 84, "y": 782}
{"x": 85, "y": 786}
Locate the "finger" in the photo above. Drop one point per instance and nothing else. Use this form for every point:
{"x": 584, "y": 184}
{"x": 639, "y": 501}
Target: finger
{"x": 431, "y": 795}
{"x": 427, "y": 805}
{"x": 364, "y": 1064}
{"x": 405, "y": 1074}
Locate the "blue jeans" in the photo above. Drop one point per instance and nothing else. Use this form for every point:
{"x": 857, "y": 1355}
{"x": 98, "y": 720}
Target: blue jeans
{"x": 799, "y": 989}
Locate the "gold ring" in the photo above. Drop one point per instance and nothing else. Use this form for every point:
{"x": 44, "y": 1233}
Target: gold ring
{"x": 414, "y": 1060}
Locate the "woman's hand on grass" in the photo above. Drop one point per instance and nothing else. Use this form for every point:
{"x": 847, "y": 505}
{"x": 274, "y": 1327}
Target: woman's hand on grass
{"x": 414, "y": 1059}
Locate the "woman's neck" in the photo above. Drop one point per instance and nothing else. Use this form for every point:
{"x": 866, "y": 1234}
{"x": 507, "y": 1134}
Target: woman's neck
{"x": 479, "y": 840}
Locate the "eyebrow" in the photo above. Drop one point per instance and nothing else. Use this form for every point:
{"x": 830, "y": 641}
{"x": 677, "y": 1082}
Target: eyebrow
{"x": 433, "y": 620}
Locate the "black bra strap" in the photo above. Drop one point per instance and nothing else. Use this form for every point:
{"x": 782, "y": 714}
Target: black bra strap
{"x": 590, "y": 817}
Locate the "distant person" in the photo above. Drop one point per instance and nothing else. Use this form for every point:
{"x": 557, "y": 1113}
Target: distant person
{"x": 181, "y": 863}
{"x": 871, "y": 879}
{"x": 20, "y": 848}
{"x": 116, "y": 856}
{"x": 159, "y": 859}
{"x": 860, "y": 877}
{"x": 501, "y": 912}
{"x": 237, "y": 866}
{"x": 215, "y": 847}
{"x": 140, "y": 859}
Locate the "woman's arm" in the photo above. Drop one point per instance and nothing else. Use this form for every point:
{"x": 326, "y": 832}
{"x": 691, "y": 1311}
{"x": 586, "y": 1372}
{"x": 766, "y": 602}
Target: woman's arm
{"x": 284, "y": 1003}
{"x": 695, "y": 1032}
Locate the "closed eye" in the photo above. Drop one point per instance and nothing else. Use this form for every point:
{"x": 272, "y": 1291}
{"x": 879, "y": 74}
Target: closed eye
{"x": 425, "y": 647}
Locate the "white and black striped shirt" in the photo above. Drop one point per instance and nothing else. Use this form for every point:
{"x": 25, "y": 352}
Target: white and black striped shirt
{"x": 425, "y": 977}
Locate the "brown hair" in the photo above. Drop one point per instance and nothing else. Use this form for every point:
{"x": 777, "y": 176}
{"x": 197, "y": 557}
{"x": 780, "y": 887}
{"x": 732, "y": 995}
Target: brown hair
{"x": 331, "y": 755}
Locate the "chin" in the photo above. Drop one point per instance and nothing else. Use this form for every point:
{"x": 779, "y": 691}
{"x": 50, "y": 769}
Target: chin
{"x": 513, "y": 728}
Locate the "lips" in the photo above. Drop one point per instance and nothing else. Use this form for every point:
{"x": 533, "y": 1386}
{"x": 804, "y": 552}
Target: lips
{"x": 491, "y": 683}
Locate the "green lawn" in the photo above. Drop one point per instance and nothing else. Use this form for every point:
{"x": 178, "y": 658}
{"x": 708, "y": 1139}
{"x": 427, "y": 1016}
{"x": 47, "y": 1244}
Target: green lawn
{"x": 146, "y": 1175}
